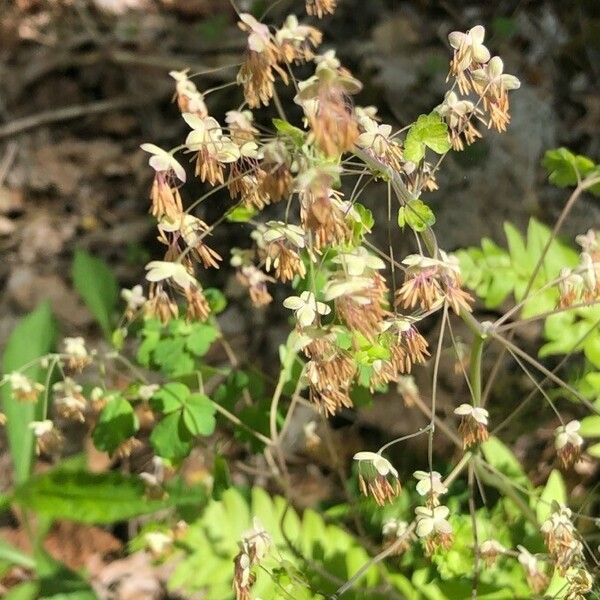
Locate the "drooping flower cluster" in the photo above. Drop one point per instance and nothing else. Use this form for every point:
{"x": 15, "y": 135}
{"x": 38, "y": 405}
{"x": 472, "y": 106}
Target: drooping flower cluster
{"x": 581, "y": 284}
{"x": 433, "y": 527}
{"x": 475, "y": 70}
{"x": 473, "y": 425}
{"x": 254, "y": 546}
{"x": 377, "y": 477}
{"x": 568, "y": 443}
{"x": 562, "y": 539}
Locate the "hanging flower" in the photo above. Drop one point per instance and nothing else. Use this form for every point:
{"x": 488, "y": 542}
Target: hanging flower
{"x": 165, "y": 197}
{"x": 358, "y": 261}
{"x": 396, "y": 533}
{"x": 377, "y": 139}
{"x": 306, "y": 308}
{"x": 458, "y": 114}
{"x": 23, "y": 388}
{"x": 469, "y": 53}
{"x": 319, "y": 8}
{"x": 253, "y": 548}
{"x": 48, "y": 439}
{"x": 536, "y": 578}
{"x": 332, "y": 122}
{"x": 474, "y": 424}
{"x": 76, "y": 353}
{"x": 189, "y": 99}
{"x": 135, "y": 300}
{"x": 377, "y": 477}
{"x": 280, "y": 250}
{"x": 256, "y": 281}
{"x": 490, "y": 550}
{"x": 69, "y": 402}
{"x": 431, "y": 486}
{"x": 296, "y": 42}
{"x": 493, "y": 85}
{"x": 160, "y": 270}
{"x": 561, "y": 539}
{"x": 256, "y": 74}
{"x": 428, "y": 281}
{"x": 434, "y": 528}
{"x": 568, "y": 443}
{"x": 213, "y": 148}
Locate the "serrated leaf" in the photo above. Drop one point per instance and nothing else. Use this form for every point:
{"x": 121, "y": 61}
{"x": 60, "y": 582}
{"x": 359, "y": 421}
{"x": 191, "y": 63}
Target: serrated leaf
{"x": 564, "y": 167}
{"x": 117, "y": 422}
{"x": 170, "y": 397}
{"x": 201, "y": 338}
{"x": 170, "y": 437}
{"x": 416, "y": 214}
{"x": 32, "y": 337}
{"x": 428, "y": 131}
{"x": 86, "y": 497}
{"x": 198, "y": 415}
{"x": 98, "y": 287}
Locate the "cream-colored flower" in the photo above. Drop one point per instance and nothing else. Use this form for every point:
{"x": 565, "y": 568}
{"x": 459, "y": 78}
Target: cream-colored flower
{"x": 75, "y": 346}
{"x": 207, "y": 136}
{"x": 382, "y": 465}
{"x": 162, "y": 161}
{"x": 477, "y": 413}
{"x": 145, "y": 392}
{"x": 454, "y": 110}
{"x": 41, "y": 428}
{"x": 568, "y": 434}
{"x": 357, "y": 261}
{"x": 429, "y": 483}
{"x": 160, "y": 270}
{"x": 306, "y": 308}
{"x": 23, "y": 388}
{"x": 492, "y": 76}
{"x": 134, "y": 298}
{"x": 375, "y": 136}
{"x": 469, "y": 46}
{"x": 278, "y": 230}
{"x": 259, "y": 37}
{"x": 432, "y": 521}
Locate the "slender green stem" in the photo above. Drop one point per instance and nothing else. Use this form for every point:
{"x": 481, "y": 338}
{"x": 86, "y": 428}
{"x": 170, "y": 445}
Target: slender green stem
{"x": 475, "y": 368}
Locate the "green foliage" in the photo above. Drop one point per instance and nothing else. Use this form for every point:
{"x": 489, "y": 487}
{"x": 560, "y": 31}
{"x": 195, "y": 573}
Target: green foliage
{"x": 86, "y": 497}
{"x": 186, "y": 416}
{"x": 429, "y": 131}
{"x": 416, "y": 214}
{"x": 211, "y": 543}
{"x": 117, "y": 422}
{"x": 98, "y": 287}
{"x": 32, "y": 338}
{"x": 566, "y": 169}
{"x": 175, "y": 348}
{"x": 495, "y": 273}
{"x": 554, "y": 491}
{"x": 290, "y": 132}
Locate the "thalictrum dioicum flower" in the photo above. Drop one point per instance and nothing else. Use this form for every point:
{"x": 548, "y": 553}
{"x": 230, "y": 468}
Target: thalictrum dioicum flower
{"x": 536, "y": 578}
{"x": 306, "y": 308}
{"x": 568, "y": 443}
{"x": 433, "y": 527}
{"x": 474, "y": 424}
{"x": 377, "y": 477}
{"x": 23, "y": 388}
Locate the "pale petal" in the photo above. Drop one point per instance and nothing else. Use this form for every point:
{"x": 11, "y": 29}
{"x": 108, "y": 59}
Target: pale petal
{"x": 456, "y": 38}
{"x": 477, "y": 34}
{"x": 364, "y": 455}
{"x": 306, "y": 315}
{"x": 293, "y": 302}
{"x": 463, "y": 409}
{"x": 424, "y": 527}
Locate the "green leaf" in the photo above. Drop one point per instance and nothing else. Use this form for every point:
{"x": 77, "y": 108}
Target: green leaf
{"x": 241, "y": 214}
{"x": 97, "y": 286}
{"x": 499, "y": 456}
{"x": 198, "y": 415}
{"x": 13, "y": 556}
{"x": 170, "y": 397}
{"x": 594, "y": 450}
{"x": 201, "y": 338}
{"x": 101, "y": 498}
{"x": 117, "y": 422}
{"x": 564, "y": 167}
{"x": 416, "y": 214}
{"x": 216, "y": 300}
{"x": 170, "y": 438}
{"x": 590, "y": 426}
{"x": 288, "y": 130}
{"x": 221, "y": 477}
{"x": 428, "y": 131}
{"x": 32, "y": 337}
{"x": 554, "y": 491}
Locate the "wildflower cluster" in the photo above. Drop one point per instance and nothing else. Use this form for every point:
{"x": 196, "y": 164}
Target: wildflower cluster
{"x": 254, "y": 547}
{"x": 582, "y": 283}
